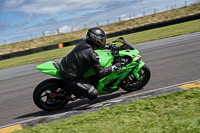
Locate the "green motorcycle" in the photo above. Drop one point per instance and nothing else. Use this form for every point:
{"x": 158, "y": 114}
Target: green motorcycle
{"x": 51, "y": 94}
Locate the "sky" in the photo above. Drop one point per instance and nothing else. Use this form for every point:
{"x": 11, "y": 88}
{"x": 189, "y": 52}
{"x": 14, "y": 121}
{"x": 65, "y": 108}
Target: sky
{"x": 28, "y": 19}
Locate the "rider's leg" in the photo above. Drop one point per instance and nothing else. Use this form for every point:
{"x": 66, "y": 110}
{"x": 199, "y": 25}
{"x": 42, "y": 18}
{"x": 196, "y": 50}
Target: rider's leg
{"x": 86, "y": 89}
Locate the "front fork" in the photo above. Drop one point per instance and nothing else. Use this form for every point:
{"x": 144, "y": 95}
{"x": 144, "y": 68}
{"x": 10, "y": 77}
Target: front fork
{"x": 137, "y": 69}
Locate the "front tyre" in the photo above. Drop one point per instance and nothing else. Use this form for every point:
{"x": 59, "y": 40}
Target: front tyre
{"x": 50, "y": 95}
{"x": 130, "y": 83}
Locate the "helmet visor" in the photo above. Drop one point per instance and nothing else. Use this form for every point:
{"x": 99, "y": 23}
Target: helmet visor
{"x": 104, "y": 40}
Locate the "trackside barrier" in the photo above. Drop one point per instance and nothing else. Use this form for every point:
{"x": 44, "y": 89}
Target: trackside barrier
{"x": 134, "y": 30}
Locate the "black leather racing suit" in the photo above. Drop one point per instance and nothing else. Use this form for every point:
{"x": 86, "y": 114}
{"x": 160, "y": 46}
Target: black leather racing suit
{"x": 76, "y": 63}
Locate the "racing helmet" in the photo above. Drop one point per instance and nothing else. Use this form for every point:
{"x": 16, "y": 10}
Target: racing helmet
{"x": 96, "y": 36}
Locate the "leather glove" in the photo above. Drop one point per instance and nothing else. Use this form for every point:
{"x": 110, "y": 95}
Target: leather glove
{"x": 116, "y": 66}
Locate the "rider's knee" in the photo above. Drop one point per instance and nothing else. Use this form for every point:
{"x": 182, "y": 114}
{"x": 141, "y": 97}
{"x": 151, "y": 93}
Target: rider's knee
{"x": 93, "y": 93}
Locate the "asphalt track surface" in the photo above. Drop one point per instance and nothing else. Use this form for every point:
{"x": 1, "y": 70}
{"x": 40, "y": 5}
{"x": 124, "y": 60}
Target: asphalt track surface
{"x": 171, "y": 61}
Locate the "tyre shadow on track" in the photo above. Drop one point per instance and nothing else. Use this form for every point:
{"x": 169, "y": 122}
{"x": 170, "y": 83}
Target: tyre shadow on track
{"x": 78, "y": 105}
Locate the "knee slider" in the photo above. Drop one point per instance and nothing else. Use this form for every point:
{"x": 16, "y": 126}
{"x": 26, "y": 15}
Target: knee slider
{"x": 93, "y": 93}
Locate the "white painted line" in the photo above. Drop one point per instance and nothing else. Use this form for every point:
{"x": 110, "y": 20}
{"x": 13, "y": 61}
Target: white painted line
{"x": 97, "y": 105}
{"x": 116, "y": 101}
{"x": 107, "y": 104}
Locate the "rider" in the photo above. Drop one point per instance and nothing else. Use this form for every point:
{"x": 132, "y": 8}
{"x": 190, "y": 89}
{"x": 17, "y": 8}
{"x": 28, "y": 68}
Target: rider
{"x": 81, "y": 58}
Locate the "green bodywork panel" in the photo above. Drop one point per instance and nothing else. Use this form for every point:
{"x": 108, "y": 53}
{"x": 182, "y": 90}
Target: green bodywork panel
{"x": 49, "y": 68}
{"x": 105, "y": 59}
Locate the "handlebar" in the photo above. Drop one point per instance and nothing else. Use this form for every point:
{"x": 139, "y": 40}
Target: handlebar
{"x": 114, "y": 49}
{"x": 115, "y": 53}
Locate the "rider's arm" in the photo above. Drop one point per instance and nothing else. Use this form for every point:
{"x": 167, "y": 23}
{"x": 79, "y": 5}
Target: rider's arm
{"x": 100, "y": 71}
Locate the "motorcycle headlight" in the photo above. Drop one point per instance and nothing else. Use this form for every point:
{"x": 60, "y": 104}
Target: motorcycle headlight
{"x": 137, "y": 59}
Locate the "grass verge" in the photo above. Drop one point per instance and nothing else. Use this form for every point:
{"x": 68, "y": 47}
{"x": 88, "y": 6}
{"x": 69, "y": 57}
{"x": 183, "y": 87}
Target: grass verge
{"x": 177, "y": 112}
{"x": 149, "y": 35}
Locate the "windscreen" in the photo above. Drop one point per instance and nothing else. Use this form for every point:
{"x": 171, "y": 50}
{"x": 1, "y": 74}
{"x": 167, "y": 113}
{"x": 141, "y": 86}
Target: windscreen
{"x": 126, "y": 44}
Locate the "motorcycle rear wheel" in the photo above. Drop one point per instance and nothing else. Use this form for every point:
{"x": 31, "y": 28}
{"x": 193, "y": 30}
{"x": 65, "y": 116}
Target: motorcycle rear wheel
{"x": 50, "y": 95}
{"x": 130, "y": 83}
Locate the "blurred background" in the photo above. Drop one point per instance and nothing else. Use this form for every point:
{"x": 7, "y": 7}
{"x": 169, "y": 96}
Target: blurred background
{"x": 22, "y": 20}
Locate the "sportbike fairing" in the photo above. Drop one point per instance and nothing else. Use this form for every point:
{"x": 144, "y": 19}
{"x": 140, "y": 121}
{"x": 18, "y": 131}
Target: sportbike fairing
{"x": 106, "y": 58}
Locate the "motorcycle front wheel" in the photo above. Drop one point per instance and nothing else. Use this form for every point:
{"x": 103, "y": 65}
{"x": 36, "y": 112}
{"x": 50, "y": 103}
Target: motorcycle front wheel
{"x": 130, "y": 83}
{"x": 50, "y": 95}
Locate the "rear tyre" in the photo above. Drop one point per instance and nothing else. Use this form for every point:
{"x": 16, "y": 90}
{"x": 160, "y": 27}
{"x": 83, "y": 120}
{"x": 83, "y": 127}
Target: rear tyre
{"x": 50, "y": 95}
{"x": 130, "y": 83}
